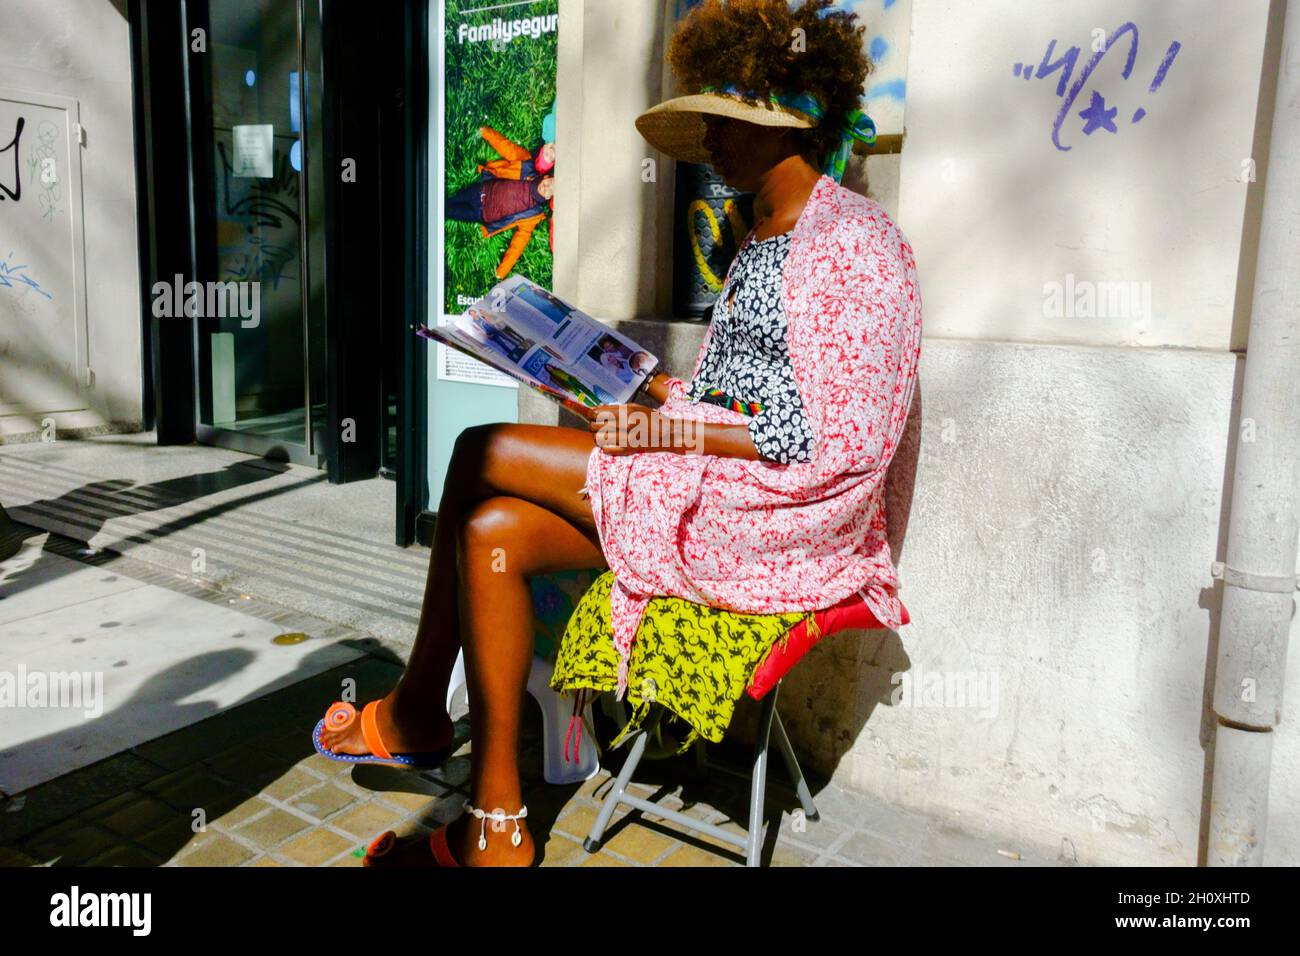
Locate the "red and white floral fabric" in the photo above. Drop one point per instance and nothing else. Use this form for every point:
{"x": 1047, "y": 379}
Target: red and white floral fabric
{"x": 762, "y": 537}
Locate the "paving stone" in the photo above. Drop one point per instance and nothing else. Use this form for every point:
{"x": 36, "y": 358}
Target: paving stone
{"x": 367, "y": 821}
{"x": 272, "y": 828}
{"x": 194, "y": 787}
{"x": 783, "y": 854}
{"x": 11, "y": 857}
{"x": 325, "y": 766}
{"x": 137, "y": 816}
{"x": 949, "y": 841}
{"x": 596, "y": 788}
{"x": 454, "y": 772}
{"x": 70, "y": 844}
{"x": 174, "y": 837}
{"x": 820, "y": 833}
{"x": 731, "y": 826}
{"x": 546, "y": 803}
{"x": 348, "y": 781}
{"x": 242, "y": 812}
{"x": 101, "y": 810}
{"x": 686, "y": 855}
{"x": 373, "y": 778}
{"x": 443, "y": 810}
{"x": 183, "y": 747}
{"x": 219, "y": 851}
{"x": 868, "y": 849}
{"x": 410, "y": 802}
{"x": 315, "y": 847}
{"x": 579, "y": 820}
{"x": 323, "y": 800}
{"x": 639, "y": 843}
{"x": 250, "y": 768}
{"x": 561, "y": 851}
{"x": 266, "y": 861}
{"x": 60, "y": 799}
{"x": 126, "y": 856}
{"x": 289, "y": 748}
{"x": 290, "y": 784}
{"x": 602, "y": 859}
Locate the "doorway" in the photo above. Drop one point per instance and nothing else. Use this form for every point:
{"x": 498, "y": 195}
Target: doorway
{"x": 259, "y": 227}
{"x": 282, "y": 158}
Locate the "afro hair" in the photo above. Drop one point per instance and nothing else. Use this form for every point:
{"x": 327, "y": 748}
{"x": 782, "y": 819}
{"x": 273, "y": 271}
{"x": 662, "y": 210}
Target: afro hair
{"x": 766, "y": 45}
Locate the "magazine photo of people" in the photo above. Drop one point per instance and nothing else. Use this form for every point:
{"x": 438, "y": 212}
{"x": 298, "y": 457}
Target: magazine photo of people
{"x": 619, "y": 358}
{"x": 544, "y": 368}
{"x": 494, "y": 334}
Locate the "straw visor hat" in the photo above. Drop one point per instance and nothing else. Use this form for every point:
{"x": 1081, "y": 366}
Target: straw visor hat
{"x": 676, "y": 126}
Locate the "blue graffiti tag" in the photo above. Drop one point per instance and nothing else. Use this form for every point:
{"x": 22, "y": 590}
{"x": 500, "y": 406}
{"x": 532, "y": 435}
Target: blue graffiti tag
{"x": 11, "y": 275}
{"x": 1098, "y": 115}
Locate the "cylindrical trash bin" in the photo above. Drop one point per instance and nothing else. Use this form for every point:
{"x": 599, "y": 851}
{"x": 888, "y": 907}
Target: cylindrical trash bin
{"x": 710, "y": 220}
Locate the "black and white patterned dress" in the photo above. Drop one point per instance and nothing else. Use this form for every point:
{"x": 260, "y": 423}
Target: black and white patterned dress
{"x": 747, "y": 365}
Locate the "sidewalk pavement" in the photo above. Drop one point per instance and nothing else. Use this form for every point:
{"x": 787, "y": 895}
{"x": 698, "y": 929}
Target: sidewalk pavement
{"x": 215, "y": 765}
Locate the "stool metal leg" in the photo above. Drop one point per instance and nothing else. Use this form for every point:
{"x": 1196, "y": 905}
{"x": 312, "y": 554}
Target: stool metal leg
{"x": 796, "y": 774}
{"x": 758, "y": 782}
{"x": 592, "y": 843}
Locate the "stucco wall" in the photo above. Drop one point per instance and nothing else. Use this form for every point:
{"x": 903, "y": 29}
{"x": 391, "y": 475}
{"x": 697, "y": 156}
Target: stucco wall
{"x": 80, "y": 49}
{"x": 1142, "y": 190}
{"x": 1056, "y": 553}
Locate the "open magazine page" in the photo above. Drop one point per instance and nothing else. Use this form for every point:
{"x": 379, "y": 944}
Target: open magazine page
{"x": 448, "y": 335}
{"x": 531, "y": 334}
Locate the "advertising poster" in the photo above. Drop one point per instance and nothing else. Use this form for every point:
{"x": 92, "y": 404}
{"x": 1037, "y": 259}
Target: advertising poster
{"x": 499, "y": 156}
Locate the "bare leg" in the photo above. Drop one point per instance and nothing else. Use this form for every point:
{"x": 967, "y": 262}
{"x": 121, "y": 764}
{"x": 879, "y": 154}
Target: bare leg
{"x": 511, "y": 510}
{"x": 504, "y": 540}
{"x": 543, "y": 465}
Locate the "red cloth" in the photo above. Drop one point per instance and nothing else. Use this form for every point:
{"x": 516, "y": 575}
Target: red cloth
{"x": 853, "y": 613}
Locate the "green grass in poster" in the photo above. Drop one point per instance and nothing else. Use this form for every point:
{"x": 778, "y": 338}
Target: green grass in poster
{"x": 510, "y": 87}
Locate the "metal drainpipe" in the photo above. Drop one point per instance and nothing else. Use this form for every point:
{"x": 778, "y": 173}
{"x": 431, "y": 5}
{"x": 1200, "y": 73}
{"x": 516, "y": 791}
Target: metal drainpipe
{"x": 1259, "y": 574}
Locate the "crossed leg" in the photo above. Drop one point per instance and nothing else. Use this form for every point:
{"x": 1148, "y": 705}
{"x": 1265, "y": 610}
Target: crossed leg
{"x": 510, "y": 509}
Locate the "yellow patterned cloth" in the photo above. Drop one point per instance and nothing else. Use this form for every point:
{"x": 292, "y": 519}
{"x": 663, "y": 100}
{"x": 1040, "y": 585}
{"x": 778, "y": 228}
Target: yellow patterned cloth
{"x": 693, "y": 659}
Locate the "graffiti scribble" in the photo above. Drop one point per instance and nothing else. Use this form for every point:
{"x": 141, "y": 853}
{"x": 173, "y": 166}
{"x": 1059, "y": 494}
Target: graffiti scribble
{"x": 261, "y": 261}
{"x": 12, "y": 276}
{"x": 264, "y": 203}
{"x": 17, "y": 192}
{"x": 42, "y": 172}
{"x": 1098, "y": 115}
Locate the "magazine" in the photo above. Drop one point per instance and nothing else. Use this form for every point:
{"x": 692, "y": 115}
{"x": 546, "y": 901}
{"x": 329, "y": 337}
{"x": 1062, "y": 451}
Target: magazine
{"x": 534, "y": 336}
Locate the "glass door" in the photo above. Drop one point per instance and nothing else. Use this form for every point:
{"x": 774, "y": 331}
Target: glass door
{"x": 259, "y": 227}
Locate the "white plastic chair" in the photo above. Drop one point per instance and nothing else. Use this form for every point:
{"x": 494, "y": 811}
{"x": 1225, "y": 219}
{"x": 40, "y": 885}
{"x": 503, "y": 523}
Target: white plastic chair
{"x": 555, "y": 723}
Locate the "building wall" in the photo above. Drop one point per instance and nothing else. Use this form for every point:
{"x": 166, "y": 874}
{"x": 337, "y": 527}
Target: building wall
{"x": 1149, "y": 202}
{"x": 75, "y": 358}
{"x": 1062, "y": 490}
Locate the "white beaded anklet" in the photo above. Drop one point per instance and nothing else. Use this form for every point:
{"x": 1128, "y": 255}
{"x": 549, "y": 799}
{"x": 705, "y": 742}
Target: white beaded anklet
{"x": 500, "y": 816}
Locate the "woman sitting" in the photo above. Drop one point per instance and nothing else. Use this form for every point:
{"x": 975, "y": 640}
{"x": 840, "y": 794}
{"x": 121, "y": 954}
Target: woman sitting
{"x": 767, "y": 498}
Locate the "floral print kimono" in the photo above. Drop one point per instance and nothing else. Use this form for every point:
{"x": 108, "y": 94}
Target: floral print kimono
{"x": 774, "y": 537}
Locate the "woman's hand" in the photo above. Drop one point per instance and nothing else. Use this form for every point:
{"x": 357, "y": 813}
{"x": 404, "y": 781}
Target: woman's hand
{"x": 628, "y": 429}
